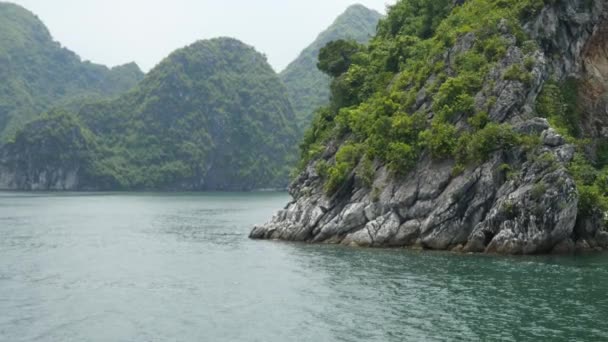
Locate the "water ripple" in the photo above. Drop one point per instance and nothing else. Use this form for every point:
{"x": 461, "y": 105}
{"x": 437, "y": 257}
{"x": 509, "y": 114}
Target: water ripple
{"x": 155, "y": 267}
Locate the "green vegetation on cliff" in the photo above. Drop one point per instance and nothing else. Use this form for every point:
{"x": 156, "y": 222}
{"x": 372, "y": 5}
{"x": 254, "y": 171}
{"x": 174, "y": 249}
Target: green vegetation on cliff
{"x": 377, "y": 91}
{"x": 376, "y": 100}
{"x": 308, "y": 88}
{"x": 558, "y": 102}
{"x": 211, "y": 116}
{"x": 56, "y": 140}
{"x": 38, "y": 74}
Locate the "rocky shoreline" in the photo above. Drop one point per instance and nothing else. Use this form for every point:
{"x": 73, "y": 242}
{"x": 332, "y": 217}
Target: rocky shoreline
{"x": 478, "y": 211}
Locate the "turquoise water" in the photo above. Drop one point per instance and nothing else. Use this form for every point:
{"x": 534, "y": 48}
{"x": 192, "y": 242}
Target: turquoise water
{"x": 179, "y": 267}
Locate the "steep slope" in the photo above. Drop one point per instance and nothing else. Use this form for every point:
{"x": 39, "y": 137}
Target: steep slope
{"x": 211, "y": 116}
{"x": 37, "y": 73}
{"x": 308, "y": 88}
{"x": 475, "y": 126}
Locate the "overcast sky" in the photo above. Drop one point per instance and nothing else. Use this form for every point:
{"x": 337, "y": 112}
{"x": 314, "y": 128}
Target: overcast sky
{"x": 114, "y": 32}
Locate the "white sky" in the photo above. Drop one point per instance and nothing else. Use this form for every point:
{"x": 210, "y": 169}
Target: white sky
{"x": 114, "y": 32}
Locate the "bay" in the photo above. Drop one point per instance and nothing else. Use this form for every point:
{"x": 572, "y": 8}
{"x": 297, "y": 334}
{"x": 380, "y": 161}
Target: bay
{"x": 179, "y": 267}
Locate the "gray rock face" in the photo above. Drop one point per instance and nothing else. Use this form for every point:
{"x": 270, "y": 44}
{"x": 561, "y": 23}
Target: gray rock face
{"x": 21, "y": 171}
{"x": 37, "y": 178}
{"x": 488, "y": 208}
{"x": 53, "y": 179}
{"x": 480, "y": 209}
{"x": 532, "y": 214}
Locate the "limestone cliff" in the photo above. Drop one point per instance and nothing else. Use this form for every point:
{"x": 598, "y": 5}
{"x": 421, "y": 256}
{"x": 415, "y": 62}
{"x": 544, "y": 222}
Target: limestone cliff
{"x": 52, "y": 156}
{"x": 521, "y": 198}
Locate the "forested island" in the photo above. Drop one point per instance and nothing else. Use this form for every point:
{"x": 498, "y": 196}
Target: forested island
{"x": 471, "y": 126}
{"x": 212, "y": 116}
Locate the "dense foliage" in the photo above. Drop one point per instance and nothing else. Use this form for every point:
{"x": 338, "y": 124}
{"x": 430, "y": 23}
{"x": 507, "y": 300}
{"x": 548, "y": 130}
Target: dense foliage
{"x": 212, "y": 116}
{"x": 308, "y": 88}
{"x": 374, "y": 102}
{"x": 337, "y": 56}
{"x": 57, "y": 140}
{"x": 37, "y": 73}
{"x": 558, "y": 102}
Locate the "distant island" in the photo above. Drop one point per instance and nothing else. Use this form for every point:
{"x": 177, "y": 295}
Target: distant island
{"x": 211, "y": 116}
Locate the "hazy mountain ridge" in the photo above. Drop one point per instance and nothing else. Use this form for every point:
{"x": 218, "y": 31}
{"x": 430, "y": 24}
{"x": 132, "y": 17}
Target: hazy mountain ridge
{"x": 211, "y": 116}
{"x": 308, "y": 87}
{"x": 38, "y": 73}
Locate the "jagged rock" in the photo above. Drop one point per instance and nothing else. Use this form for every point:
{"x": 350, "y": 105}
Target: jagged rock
{"x": 532, "y": 126}
{"x": 565, "y": 153}
{"x": 385, "y": 231}
{"x": 408, "y": 234}
{"x": 582, "y": 246}
{"x": 458, "y": 249}
{"x": 567, "y": 246}
{"x": 587, "y": 227}
{"x": 511, "y": 95}
{"x": 529, "y": 217}
{"x": 552, "y": 139}
{"x": 602, "y": 239}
